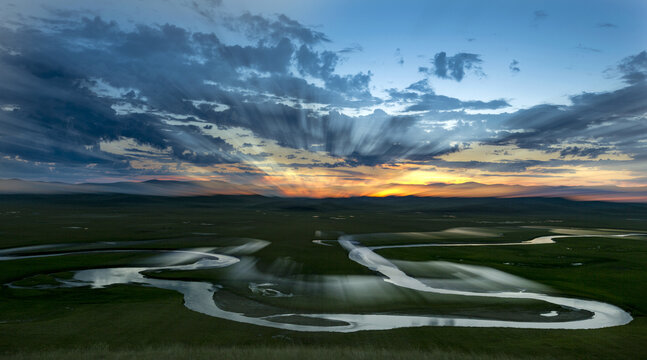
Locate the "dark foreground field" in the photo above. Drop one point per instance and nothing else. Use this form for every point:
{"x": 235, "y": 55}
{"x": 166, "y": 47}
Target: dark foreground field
{"x": 41, "y": 320}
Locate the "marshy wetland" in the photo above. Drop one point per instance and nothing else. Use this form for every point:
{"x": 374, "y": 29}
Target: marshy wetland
{"x": 489, "y": 277}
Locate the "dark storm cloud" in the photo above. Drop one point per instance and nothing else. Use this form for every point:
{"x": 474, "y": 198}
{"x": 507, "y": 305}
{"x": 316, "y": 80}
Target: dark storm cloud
{"x": 275, "y": 59}
{"x": 65, "y": 88}
{"x": 421, "y": 86}
{"x": 322, "y": 65}
{"x": 530, "y": 168}
{"x": 378, "y": 138}
{"x": 506, "y": 167}
{"x": 634, "y": 68}
{"x": 454, "y": 67}
{"x": 206, "y": 8}
{"x": 594, "y": 125}
{"x": 58, "y": 120}
{"x": 580, "y": 151}
{"x": 53, "y": 78}
{"x": 264, "y": 29}
{"x": 422, "y": 98}
{"x": 441, "y": 102}
{"x": 440, "y": 65}
{"x": 613, "y": 120}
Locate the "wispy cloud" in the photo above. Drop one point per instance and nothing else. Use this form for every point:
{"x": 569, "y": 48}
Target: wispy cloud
{"x": 607, "y": 25}
{"x": 539, "y": 15}
{"x": 587, "y": 49}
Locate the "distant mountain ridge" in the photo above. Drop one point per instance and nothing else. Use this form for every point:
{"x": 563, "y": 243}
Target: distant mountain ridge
{"x": 150, "y": 187}
{"x": 205, "y": 188}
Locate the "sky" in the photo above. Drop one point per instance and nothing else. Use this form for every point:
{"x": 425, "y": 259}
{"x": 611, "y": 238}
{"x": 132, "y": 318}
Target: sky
{"x": 329, "y": 98}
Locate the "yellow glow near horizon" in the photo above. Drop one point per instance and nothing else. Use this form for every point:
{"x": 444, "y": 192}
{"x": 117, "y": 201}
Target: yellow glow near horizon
{"x": 316, "y": 175}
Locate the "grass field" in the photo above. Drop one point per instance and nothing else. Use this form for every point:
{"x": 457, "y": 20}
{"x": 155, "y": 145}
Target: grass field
{"x": 133, "y": 321}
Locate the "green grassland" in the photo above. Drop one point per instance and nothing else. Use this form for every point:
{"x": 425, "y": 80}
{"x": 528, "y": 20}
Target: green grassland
{"x": 132, "y": 321}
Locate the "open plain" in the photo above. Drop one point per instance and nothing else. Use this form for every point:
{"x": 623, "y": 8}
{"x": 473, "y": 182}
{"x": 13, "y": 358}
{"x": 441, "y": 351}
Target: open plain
{"x": 256, "y": 277}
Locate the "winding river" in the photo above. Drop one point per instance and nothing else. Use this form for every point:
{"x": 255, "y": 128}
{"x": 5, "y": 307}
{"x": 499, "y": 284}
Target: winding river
{"x": 199, "y": 296}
